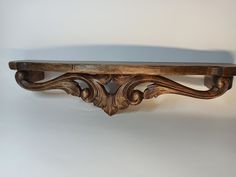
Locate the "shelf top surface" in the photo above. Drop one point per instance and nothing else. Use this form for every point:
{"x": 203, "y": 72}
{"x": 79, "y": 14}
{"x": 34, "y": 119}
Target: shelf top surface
{"x": 125, "y": 67}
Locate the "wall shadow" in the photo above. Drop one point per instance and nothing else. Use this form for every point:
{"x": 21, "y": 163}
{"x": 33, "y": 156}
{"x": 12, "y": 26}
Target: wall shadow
{"x": 123, "y": 53}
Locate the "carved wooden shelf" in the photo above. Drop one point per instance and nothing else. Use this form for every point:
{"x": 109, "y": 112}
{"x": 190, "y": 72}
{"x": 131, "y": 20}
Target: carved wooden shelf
{"x": 125, "y": 77}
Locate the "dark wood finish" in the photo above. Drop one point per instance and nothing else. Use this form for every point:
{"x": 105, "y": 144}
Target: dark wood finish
{"x": 123, "y": 77}
{"x": 146, "y": 68}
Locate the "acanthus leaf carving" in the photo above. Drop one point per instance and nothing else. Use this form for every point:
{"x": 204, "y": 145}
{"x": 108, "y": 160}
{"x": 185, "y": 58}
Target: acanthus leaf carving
{"x": 125, "y": 93}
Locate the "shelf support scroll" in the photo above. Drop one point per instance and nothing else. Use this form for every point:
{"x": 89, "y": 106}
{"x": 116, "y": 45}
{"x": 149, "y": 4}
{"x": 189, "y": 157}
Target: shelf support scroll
{"x": 125, "y": 93}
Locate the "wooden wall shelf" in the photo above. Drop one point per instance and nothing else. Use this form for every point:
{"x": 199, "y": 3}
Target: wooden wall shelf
{"x": 125, "y": 77}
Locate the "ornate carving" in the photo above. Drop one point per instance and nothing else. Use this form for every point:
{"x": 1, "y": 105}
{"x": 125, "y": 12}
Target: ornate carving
{"x": 125, "y": 92}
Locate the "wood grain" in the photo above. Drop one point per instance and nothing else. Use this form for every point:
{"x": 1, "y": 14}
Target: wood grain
{"x": 103, "y": 67}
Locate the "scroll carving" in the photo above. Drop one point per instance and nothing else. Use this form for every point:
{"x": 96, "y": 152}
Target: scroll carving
{"x": 126, "y": 92}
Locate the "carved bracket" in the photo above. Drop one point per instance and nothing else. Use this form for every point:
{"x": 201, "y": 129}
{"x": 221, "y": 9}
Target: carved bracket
{"x": 113, "y": 92}
{"x": 113, "y": 86}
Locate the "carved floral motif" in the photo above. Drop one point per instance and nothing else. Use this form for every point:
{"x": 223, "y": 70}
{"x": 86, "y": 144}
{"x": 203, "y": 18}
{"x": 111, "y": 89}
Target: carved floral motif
{"x": 125, "y": 92}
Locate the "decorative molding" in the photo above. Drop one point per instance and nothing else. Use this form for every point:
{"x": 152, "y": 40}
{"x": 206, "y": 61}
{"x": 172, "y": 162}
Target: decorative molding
{"x": 125, "y": 93}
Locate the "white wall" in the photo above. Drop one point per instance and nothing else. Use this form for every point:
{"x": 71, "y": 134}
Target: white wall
{"x": 204, "y": 24}
{"x": 45, "y": 134}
